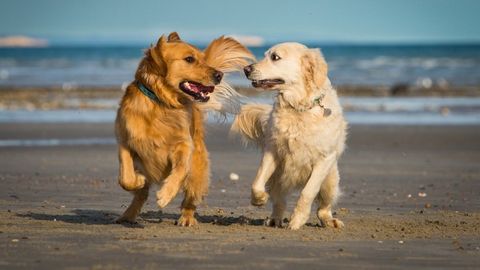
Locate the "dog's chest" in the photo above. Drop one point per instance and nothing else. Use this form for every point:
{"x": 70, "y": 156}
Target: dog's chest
{"x": 298, "y": 134}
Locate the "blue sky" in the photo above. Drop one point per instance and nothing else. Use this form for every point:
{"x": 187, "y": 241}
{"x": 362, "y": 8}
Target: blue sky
{"x": 361, "y": 21}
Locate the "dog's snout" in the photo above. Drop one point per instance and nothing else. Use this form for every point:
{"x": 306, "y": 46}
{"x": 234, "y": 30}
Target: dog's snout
{"x": 217, "y": 76}
{"x": 248, "y": 70}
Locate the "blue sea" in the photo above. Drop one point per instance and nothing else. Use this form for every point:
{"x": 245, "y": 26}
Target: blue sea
{"x": 349, "y": 64}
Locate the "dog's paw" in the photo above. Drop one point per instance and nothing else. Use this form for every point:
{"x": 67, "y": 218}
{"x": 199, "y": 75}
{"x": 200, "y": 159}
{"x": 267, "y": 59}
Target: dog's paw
{"x": 140, "y": 180}
{"x": 259, "y": 198}
{"x": 297, "y": 221}
{"x": 187, "y": 221}
{"x": 126, "y": 219}
{"x": 164, "y": 196}
{"x": 274, "y": 222}
{"x": 295, "y": 225}
{"x": 333, "y": 223}
{"x": 136, "y": 184}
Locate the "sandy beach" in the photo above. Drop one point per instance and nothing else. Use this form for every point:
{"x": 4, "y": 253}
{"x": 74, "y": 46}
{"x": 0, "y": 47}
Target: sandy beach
{"x": 410, "y": 199}
{"x": 406, "y": 76}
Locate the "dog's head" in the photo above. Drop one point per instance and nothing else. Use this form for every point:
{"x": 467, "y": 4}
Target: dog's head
{"x": 289, "y": 67}
{"x": 183, "y": 68}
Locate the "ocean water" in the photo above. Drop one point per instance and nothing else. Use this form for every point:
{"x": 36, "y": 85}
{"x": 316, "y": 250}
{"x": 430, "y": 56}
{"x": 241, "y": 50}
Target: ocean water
{"x": 348, "y": 64}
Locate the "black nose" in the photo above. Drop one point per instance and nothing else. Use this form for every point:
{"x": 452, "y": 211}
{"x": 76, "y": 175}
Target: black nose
{"x": 248, "y": 70}
{"x": 217, "y": 76}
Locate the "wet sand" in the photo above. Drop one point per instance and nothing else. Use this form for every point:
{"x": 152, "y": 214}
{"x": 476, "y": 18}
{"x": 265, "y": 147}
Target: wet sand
{"x": 48, "y": 98}
{"x": 57, "y": 205}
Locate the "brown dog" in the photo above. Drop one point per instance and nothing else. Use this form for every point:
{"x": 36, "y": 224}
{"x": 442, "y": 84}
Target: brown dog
{"x": 159, "y": 125}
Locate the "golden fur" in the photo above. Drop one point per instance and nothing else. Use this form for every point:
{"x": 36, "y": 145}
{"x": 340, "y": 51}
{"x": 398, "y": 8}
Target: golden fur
{"x": 163, "y": 142}
{"x": 302, "y": 135}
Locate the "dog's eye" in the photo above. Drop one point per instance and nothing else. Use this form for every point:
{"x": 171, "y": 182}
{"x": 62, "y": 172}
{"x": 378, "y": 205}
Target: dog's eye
{"x": 190, "y": 59}
{"x": 275, "y": 57}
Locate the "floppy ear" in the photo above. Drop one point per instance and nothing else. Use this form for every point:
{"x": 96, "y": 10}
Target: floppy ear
{"x": 314, "y": 69}
{"x": 156, "y": 54}
{"x": 173, "y": 37}
{"x": 227, "y": 55}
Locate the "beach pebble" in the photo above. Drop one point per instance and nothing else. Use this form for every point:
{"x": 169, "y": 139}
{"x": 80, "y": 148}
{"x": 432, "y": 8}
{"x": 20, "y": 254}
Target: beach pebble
{"x": 223, "y": 190}
{"x": 234, "y": 176}
{"x": 422, "y": 194}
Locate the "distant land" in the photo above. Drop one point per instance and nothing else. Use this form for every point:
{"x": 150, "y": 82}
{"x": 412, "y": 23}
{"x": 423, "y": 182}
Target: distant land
{"x": 22, "y": 41}
{"x": 252, "y": 41}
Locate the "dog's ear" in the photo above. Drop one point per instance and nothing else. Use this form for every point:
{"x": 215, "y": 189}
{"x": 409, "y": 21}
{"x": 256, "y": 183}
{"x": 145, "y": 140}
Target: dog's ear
{"x": 173, "y": 37}
{"x": 227, "y": 55}
{"x": 157, "y": 56}
{"x": 314, "y": 69}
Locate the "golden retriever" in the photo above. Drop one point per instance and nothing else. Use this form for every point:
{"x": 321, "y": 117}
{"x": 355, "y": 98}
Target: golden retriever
{"x": 302, "y": 135}
{"x": 159, "y": 124}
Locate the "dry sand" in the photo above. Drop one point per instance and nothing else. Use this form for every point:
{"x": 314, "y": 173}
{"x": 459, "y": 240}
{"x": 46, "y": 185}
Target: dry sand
{"x": 57, "y": 205}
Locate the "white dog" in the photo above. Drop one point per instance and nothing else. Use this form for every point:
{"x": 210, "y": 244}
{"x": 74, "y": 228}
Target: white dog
{"x": 302, "y": 135}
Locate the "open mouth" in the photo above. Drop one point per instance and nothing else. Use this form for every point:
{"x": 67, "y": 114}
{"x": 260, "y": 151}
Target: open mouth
{"x": 267, "y": 83}
{"x": 198, "y": 91}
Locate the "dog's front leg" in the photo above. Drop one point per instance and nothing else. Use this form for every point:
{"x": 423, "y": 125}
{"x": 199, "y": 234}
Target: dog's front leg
{"x": 309, "y": 193}
{"x": 180, "y": 160}
{"x": 127, "y": 177}
{"x": 265, "y": 171}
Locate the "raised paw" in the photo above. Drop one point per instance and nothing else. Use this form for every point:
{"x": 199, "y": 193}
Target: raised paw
{"x": 187, "y": 221}
{"x": 164, "y": 196}
{"x": 259, "y": 198}
{"x": 137, "y": 184}
{"x": 333, "y": 223}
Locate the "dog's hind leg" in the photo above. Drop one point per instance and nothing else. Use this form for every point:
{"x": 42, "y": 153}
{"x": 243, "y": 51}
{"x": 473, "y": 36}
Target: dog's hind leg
{"x": 140, "y": 196}
{"x": 279, "y": 205}
{"x": 196, "y": 186}
{"x": 327, "y": 197}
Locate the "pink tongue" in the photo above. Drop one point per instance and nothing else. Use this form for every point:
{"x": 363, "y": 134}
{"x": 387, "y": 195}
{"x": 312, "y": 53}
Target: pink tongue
{"x": 194, "y": 87}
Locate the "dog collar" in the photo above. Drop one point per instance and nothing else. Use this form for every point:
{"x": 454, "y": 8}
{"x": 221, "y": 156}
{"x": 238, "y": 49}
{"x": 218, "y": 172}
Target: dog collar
{"x": 318, "y": 102}
{"x": 147, "y": 92}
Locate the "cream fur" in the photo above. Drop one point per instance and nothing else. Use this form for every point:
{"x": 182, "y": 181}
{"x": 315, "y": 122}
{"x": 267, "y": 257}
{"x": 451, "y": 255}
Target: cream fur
{"x": 301, "y": 144}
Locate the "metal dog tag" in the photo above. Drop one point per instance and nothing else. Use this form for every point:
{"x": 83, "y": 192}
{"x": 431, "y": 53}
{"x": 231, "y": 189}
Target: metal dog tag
{"x": 326, "y": 112}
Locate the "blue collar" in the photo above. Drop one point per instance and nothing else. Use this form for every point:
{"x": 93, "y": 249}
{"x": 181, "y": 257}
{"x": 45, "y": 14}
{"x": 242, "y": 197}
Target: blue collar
{"x": 147, "y": 92}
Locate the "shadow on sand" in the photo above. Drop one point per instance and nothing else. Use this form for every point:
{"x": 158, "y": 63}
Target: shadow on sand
{"x": 100, "y": 217}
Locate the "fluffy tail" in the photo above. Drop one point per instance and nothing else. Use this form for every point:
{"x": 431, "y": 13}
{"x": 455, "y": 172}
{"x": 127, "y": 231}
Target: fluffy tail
{"x": 227, "y": 55}
{"x": 251, "y": 123}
